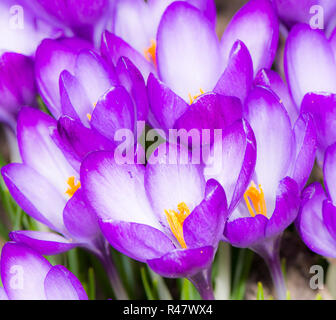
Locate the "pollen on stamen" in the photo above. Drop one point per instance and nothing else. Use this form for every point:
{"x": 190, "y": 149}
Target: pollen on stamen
{"x": 150, "y": 52}
{"x": 176, "y": 220}
{"x": 257, "y": 197}
{"x": 193, "y": 98}
{"x": 73, "y": 187}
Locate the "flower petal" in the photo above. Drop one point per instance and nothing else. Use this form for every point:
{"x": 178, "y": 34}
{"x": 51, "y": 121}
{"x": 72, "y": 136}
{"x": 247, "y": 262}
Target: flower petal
{"x": 116, "y": 191}
{"x": 81, "y": 140}
{"x": 113, "y": 47}
{"x": 234, "y": 162}
{"x": 182, "y": 263}
{"x": 322, "y": 107}
{"x": 61, "y": 284}
{"x": 79, "y": 219}
{"x": 132, "y": 80}
{"x": 305, "y": 140}
{"x": 114, "y": 111}
{"x": 329, "y": 171}
{"x": 52, "y": 57}
{"x": 270, "y": 79}
{"x": 244, "y": 232}
{"x": 304, "y": 47}
{"x": 255, "y": 24}
{"x": 168, "y": 184}
{"x": 210, "y": 111}
{"x": 310, "y": 224}
{"x": 138, "y": 241}
{"x": 275, "y": 143}
{"x": 39, "y": 150}
{"x": 205, "y": 225}
{"x": 237, "y": 78}
{"x": 23, "y": 272}
{"x": 286, "y": 207}
{"x": 188, "y": 57}
{"x": 35, "y": 195}
{"x": 166, "y": 106}
{"x": 43, "y": 242}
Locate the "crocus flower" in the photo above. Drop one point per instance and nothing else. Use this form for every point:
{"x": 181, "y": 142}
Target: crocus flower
{"x": 26, "y": 275}
{"x": 304, "y": 11}
{"x": 17, "y": 86}
{"x": 316, "y": 221}
{"x": 47, "y": 187}
{"x": 80, "y": 85}
{"x": 135, "y": 28}
{"x": 22, "y": 29}
{"x": 285, "y": 157}
{"x": 163, "y": 214}
{"x": 85, "y": 19}
{"x": 313, "y": 94}
{"x": 191, "y": 61}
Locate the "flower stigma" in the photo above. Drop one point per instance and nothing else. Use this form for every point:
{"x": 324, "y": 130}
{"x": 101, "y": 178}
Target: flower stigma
{"x": 193, "y": 98}
{"x": 257, "y": 197}
{"x": 73, "y": 187}
{"x": 176, "y": 220}
{"x": 150, "y": 52}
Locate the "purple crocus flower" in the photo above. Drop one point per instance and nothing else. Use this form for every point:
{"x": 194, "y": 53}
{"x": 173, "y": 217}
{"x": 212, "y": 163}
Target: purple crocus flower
{"x": 199, "y": 63}
{"x": 163, "y": 214}
{"x": 26, "y": 275}
{"x": 135, "y": 28}
{"x": 285, "y": 157}
{"x": 47, "y": 187}
{"x": 316, "y": 221}
{"x": 188, "y": 55}
{"x": 21, "y": 29}
{"x": 84, "y": 92}
{"x": 17, "y": 86}
{"x": 86, "y": 19}
{"x": 314, "y": 95}
{"x": 303, "y": 11}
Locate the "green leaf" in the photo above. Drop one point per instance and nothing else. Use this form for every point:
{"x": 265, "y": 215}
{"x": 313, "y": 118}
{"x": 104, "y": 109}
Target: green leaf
{"x": 147, "y": 286}
{"x": 260, "y": 292}
{"x": 91, "y": 291}
{"x": 242, "y": 271}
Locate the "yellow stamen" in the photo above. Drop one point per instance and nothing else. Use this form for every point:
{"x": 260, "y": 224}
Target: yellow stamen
{"x": 175, "y": 221}
{"x": 89, "y": 115}
{"x": 72, "y": 186}
{"x": 257, "y": 198}
{"x": 150, "y": 52}
{"x": 192, "y": 98}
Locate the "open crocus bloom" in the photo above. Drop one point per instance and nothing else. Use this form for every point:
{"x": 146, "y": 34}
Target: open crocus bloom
{"x": 83, "y": 92}
{"x": 285, "y": 158}
{"x": 26, "y": 275}
{"x": 316, "y": 222}
{"x": 22, "y": 29}
{"x": 47, "y": 187}
{"x": 135, "y": 28}
{"x": 191, "y": 61}
{"x": 17, "y": 86}
{"x": 162, "y": 214}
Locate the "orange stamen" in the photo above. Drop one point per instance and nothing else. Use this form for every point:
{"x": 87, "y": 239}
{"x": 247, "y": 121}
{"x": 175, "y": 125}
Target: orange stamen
{"x": 257, "y": 198}
{"x": 150, "y": 52}
{"x": 72, "y": 186}
{"x": 175, "y": 221}
{"x": 192, "y": 98}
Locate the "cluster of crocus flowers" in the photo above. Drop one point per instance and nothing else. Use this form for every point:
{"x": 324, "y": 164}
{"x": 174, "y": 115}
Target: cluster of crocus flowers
{"x": 115, "y": 75}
